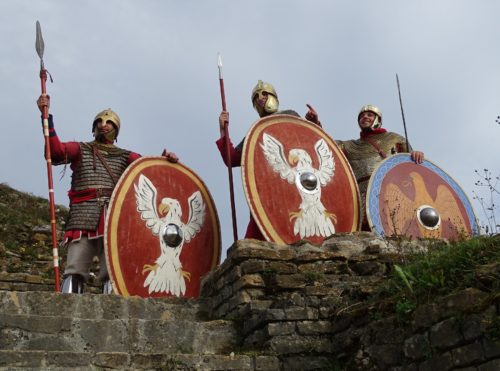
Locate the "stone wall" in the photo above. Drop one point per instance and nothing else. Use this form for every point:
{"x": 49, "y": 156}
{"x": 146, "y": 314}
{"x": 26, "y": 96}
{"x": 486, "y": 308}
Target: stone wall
{"x": 266, "y": 307}
{"x": 309, "y": 305}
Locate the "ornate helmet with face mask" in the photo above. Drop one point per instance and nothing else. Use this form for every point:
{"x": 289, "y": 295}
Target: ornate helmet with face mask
{"x": 108, "y": 115}
{"x": 272, "y": 102}
{"x": 370, "y": 108}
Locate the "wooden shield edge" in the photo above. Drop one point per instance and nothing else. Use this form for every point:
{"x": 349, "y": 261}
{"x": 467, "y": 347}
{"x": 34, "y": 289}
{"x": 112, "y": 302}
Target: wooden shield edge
{"x": 116, "y": 202}
{"x": 383, "y": 168}
{"x": 255, "y": 205}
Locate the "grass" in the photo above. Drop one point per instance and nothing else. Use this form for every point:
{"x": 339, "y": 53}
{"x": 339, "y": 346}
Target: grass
{"x": 20, "y": 213}
{"x": 442, "y": 270}
{"x": 312, "y": 276}
{"x": 445, "y": 268}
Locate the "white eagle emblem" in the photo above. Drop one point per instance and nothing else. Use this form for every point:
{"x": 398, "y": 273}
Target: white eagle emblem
{"x": 312, "y": 219}
{"x": 166, "y": 274}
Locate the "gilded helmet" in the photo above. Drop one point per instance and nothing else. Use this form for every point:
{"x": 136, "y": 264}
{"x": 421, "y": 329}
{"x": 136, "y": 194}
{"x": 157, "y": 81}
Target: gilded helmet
{"x": 108, "y": 115}
{"x": 272, "y": 102}
{"x": 378, "y": 120}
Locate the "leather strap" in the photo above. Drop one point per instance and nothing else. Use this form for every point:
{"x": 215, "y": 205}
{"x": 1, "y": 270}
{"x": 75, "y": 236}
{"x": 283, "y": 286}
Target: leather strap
{"x": 105, "y": 164}
{"x": 376, "y": 146}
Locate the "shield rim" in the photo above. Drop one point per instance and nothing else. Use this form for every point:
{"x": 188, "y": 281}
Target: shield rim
{"x": 375, "y": 182}
{"x": 118, "y": 283}
{"x": 265, "y": 225}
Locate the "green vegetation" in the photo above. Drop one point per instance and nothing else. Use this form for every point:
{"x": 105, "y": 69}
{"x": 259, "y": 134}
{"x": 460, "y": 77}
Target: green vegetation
{"x": 445, "y": 268}
{"x": 312, "y": 276}
{"x": 442, "y": 270}
{"x": 25, "y": 239}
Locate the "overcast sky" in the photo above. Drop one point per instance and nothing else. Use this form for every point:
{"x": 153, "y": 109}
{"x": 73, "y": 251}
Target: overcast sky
{"x": 155, "y": 64}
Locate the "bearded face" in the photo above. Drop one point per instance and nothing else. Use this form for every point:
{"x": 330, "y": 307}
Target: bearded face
{"x": 104, "y": 132}
{"x": 106, "y": 126}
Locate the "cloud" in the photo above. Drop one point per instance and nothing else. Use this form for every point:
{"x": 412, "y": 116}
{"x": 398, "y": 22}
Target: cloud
{"x": 154, "y": 62}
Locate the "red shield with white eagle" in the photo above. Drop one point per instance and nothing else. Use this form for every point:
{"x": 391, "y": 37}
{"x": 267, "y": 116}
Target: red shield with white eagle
{"x": 298, "y": 183}
{"x": 162, "y": 230}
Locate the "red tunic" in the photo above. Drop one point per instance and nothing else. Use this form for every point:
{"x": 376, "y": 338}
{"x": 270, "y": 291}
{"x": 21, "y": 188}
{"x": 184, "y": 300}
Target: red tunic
{"x": 253, "y": 230}
{"x": 69, "y": 152}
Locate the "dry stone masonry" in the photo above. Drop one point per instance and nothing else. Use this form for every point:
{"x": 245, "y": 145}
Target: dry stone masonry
{"x": 266, "y": 307}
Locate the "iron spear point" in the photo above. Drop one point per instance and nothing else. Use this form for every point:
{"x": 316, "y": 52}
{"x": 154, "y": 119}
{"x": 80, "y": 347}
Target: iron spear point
{"x": 39, "y": 44}
{"x": 219, "y": 64}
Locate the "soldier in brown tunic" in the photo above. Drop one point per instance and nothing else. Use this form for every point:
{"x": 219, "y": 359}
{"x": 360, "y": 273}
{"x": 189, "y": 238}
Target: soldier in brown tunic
{"x": 96, "y": 167}
{"x": 372, "y": 147}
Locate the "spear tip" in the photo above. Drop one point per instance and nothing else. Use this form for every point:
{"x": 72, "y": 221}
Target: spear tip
{"x": 219, "y": 60}
{"x": 39, "y": 44}
{"x": 219, "y": 64}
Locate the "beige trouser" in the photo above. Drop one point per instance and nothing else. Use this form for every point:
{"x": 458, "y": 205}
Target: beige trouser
{"x": 80, "y": 256}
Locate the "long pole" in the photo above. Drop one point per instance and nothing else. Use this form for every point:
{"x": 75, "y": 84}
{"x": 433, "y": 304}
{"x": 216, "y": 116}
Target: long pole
{"x": 45, "y": 118}
{"x": 402, "y": 114}
{"x": 228, "y": 151}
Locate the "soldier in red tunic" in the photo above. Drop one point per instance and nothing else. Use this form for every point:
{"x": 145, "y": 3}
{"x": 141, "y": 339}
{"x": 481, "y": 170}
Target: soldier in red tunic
{"x": 265, "y": 101}
{"x": 96, "y": 167}
{"x": 373, "y": 146}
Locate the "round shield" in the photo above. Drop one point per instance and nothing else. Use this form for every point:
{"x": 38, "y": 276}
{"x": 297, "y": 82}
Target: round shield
{"x": 298, "y": 183}
{"x": 162, "y": 230}
{"x": 406, "y": 199}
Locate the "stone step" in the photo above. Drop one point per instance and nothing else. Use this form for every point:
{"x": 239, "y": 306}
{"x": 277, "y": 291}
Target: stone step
{"x": 41, "y": 321}
{"x": 168, "y": 336}
{"x": 98, "y": 306}
{"x": 60, "y": 360}
{"x": 32, "y": 282}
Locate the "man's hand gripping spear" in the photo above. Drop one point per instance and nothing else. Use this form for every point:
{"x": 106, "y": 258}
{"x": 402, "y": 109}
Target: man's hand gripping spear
{"x": 45, "y": 116}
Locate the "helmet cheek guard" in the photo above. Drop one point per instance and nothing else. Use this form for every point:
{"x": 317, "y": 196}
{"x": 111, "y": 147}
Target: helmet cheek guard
{"x": 272, "y": 103}
{"x": 377, "y": 123}
{"x": 105, "y": 116}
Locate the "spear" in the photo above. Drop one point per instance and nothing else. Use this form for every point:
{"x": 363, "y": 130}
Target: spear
{"x": 45, "y": 116}
{"x": 402, "y": 114}
{"x": 228, "y": 151}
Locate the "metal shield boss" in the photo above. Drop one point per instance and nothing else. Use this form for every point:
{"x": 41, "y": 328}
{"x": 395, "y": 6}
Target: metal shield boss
{"x": 162, "y": 230}
{"x": 298, "y": 183}
{"x": 406, "y": 199}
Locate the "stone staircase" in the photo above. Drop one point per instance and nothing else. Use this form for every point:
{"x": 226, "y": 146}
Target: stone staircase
{"x": 266, "y": 307}
{"x": 40, "y": 330}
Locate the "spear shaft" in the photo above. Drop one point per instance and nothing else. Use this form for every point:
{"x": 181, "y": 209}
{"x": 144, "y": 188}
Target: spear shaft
{"x": 402, "y": 114}
{"x": 228, "y": 152}
{"x": 45, "y": 117}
